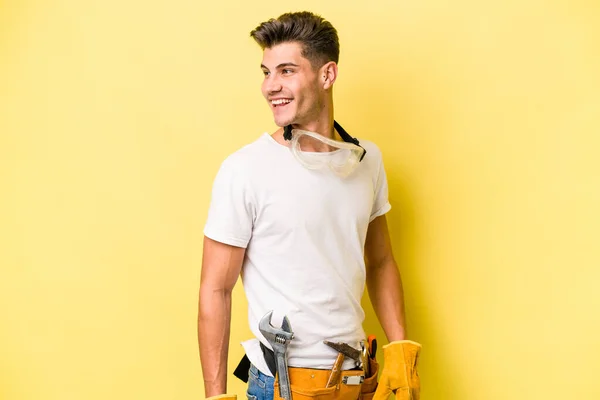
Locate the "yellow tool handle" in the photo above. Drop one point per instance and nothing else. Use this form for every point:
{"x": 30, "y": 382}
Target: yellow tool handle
{"x": 336, "y": 371}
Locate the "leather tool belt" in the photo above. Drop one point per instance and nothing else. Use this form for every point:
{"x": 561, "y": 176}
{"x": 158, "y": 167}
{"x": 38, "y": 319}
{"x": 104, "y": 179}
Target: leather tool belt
{"x": 309, "y": 384}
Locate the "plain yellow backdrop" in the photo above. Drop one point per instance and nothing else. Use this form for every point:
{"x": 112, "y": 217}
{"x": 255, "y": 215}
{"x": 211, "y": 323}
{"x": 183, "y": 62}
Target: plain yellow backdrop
{"x": 115, "y": 116}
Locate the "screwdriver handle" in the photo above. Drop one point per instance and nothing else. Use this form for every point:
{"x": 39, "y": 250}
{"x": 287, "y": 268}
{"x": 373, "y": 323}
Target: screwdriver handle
{"x": 372, "y": 340}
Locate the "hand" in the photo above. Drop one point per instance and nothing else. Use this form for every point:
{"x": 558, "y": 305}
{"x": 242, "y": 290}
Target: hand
{"x": 399, "y": 374}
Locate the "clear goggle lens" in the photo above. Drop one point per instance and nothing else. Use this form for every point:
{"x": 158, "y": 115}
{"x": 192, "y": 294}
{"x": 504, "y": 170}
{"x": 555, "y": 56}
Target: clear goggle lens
{"x": 342, "y": 159}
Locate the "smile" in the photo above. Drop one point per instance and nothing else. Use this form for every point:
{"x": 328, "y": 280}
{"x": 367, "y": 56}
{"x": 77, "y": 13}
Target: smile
{"x": 280, "y": 102}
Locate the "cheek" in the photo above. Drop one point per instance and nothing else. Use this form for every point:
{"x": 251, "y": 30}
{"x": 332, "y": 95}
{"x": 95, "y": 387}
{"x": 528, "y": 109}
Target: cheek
{"x": 306, "y": 96}
{"x": 301, "y": 91}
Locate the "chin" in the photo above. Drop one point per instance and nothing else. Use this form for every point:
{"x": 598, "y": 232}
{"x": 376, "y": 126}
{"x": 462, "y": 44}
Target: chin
{"x": 282, "y": 122}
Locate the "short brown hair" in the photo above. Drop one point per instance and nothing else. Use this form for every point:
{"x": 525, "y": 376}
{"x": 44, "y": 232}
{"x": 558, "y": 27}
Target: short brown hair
{"x": 319, "y": 39}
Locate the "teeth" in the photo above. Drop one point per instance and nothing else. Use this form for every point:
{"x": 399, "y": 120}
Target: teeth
{"x": 279, "y": 102}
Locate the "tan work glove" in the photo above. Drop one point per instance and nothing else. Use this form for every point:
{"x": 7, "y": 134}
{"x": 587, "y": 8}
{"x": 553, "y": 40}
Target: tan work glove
{"x": 223, "y": 397}
{"x": 399, "y": 374}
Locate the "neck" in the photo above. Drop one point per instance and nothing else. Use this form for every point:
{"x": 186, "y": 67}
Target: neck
{"x": 322, "y": 123}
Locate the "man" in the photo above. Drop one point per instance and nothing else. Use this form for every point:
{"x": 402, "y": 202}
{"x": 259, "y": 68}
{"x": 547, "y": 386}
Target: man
{"x": 300, "y": 214}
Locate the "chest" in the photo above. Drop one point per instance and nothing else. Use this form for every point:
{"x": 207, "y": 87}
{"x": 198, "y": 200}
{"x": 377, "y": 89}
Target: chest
{"x": 314, "y": 201}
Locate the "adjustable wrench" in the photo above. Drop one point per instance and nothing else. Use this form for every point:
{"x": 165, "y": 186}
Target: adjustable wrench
{"x": 279, "y": 339}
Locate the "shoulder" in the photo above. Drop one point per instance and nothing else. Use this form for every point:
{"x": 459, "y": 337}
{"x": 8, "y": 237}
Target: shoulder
{"x": 369, "y": 146}
{"x": 247, "y": 156}
{"x": 373, "y": 155}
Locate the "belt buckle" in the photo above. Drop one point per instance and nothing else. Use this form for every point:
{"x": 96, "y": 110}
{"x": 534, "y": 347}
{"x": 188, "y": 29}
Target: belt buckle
{"x": 353, "y": 380}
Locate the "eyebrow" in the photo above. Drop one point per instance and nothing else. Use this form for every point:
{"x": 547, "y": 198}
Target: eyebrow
{"x": 282, "y": 65}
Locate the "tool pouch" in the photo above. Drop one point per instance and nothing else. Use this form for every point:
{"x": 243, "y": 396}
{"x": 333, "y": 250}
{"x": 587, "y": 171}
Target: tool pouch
{"x": 309, "y": 384}
{"x": 370, "y": 384}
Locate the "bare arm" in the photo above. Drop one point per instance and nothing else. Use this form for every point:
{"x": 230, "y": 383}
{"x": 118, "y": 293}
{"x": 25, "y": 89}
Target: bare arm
{"x": 383, "y": 280}
{"x": 221, "y": 266}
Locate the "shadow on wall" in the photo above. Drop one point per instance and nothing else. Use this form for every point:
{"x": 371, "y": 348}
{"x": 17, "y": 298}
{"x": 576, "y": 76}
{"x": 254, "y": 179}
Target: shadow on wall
{"x": 407, "y": 112}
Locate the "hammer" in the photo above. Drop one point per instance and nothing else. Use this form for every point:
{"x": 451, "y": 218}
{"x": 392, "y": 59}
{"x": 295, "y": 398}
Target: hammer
{"x": 343, "y": 350}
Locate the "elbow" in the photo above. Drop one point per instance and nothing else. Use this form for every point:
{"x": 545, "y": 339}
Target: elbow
{"x": 381, "y": 272}
{"x": 213, "y": 299}
{"x": 380, "y": 263}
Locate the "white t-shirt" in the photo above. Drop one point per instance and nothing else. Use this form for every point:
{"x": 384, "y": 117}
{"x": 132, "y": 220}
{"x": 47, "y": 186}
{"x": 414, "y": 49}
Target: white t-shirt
{"x": 304, "y": 232}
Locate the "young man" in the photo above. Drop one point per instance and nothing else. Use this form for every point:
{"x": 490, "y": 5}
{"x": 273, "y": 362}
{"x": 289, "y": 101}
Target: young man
{"x": 300, "y": 214}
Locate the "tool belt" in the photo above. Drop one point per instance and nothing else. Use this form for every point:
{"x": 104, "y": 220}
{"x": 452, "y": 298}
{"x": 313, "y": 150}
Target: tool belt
{"x": 309, "y": 384}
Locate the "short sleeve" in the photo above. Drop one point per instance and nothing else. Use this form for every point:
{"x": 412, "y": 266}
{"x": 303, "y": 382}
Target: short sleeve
{"x": 381, "y": 204}
{"x": 231, "y": 212}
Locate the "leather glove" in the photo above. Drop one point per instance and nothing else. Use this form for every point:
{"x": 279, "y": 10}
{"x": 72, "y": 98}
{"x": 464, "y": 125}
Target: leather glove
{"x": 399, "y": 374}
{"x": 223, "y": 397}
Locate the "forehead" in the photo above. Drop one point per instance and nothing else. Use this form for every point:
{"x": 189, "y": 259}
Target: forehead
{"x": 289, "y": 52}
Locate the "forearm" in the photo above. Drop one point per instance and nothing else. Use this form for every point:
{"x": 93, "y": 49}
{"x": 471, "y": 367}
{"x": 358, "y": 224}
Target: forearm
{"x": 387, "y": 297}
{"x": 214, "y": 322}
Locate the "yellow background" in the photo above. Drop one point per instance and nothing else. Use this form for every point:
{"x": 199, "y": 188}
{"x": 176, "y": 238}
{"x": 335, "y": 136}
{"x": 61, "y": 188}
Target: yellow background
{"x": 115, "y": 116}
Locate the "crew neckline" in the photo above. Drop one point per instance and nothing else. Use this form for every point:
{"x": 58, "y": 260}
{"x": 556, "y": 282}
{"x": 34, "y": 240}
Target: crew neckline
{"x": 312, "y": 153}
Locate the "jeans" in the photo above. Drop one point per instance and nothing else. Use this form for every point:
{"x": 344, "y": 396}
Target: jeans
{"x": 260, "y": 386}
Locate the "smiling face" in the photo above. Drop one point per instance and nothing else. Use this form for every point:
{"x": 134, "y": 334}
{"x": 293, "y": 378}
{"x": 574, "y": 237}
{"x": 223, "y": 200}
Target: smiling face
{"x": 292, "y": 86}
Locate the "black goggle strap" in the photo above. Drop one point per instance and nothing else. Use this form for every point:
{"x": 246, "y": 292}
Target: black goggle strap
{"x": 287, "y": 135}
{"x": 287, "y": 132}
{"x": 348, "y": 138}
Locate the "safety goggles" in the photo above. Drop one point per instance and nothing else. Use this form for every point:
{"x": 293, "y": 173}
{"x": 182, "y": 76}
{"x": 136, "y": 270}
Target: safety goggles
{"x": 342, "y": 160}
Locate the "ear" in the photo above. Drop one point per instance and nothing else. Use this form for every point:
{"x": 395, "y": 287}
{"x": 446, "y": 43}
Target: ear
{"x": 328, "y": 74}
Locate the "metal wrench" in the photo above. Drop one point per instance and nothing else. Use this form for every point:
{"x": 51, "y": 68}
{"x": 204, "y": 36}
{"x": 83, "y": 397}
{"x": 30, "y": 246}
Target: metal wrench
{"x": 279, "y": 339}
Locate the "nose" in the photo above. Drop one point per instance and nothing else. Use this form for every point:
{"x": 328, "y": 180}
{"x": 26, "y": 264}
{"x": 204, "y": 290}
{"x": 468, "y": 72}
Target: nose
{"x": 271, "y": 85}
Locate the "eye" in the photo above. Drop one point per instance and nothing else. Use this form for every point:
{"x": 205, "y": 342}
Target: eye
{"x": 287, "y": 71}
{"x": 266, "y": 73}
